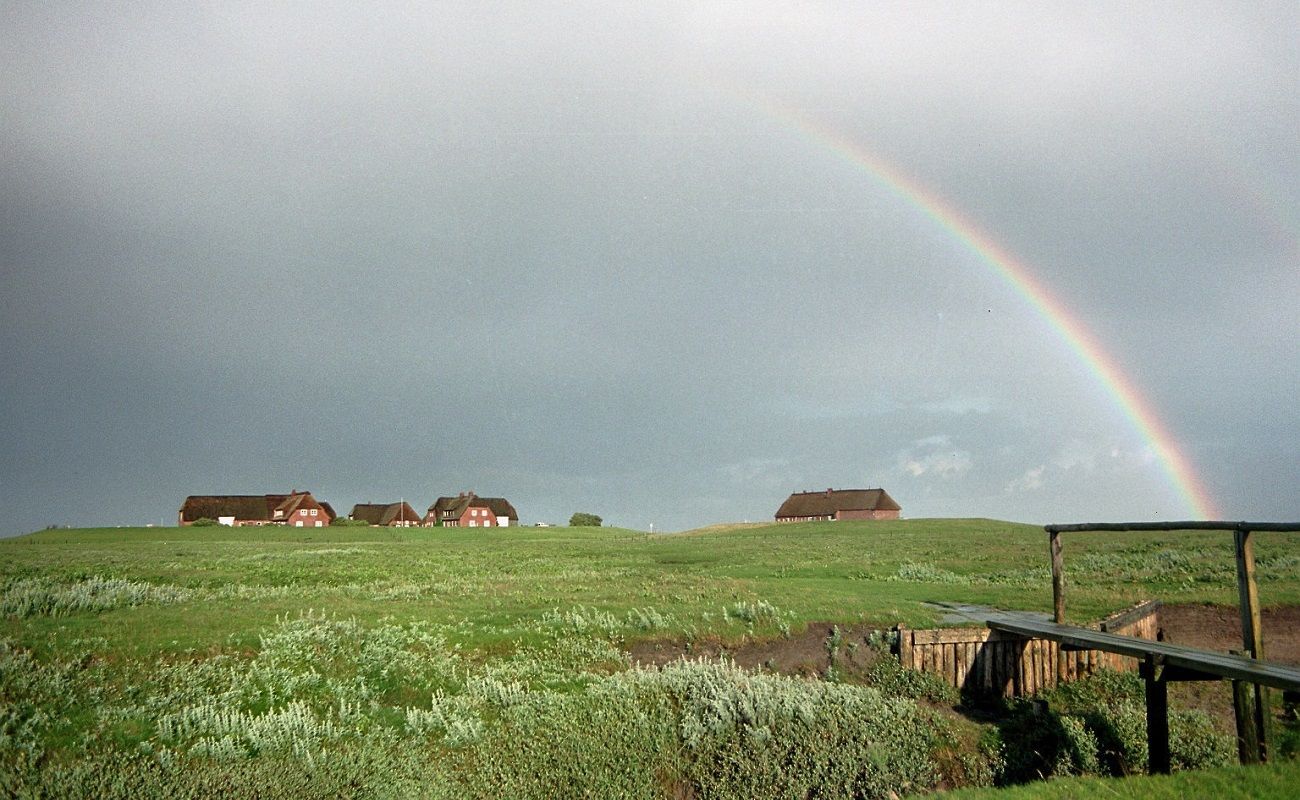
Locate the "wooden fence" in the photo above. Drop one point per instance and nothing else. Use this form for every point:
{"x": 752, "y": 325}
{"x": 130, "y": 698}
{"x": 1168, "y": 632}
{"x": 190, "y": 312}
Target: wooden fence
{"x": 979, "y": 661}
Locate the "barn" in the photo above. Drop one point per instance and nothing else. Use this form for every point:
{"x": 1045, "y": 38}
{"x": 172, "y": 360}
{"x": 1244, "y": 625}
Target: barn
{"x": 836, "y": 504}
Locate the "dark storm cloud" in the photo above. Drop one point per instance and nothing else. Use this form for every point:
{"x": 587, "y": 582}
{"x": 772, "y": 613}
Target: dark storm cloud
{"x": 563, "y": 254}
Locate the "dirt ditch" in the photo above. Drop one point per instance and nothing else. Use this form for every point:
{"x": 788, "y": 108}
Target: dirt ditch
{"x": 806, "y": 653}
{"x": 1219, "y": 628}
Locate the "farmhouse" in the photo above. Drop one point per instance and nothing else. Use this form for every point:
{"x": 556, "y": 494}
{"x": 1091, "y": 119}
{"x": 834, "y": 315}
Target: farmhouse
{"x": 834, "y": 504}
{"x": 393, "y": 515}
{"x": 467, "y": 510}
{"x": 296, "y": 509}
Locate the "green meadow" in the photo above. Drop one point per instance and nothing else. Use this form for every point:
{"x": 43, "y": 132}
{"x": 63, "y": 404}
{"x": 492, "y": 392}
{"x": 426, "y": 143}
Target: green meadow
{"x": 490, "y": 663}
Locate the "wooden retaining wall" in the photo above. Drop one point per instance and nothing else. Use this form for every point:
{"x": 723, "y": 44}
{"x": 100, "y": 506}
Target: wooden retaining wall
{"x": 983, "y": 662}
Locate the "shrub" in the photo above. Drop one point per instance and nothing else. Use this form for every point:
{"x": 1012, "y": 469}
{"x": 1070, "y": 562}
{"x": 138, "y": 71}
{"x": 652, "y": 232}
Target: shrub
{"x": 584, "y": 520}
{"x": 204, "y": 522}
{"x": 892, "y": 678}
{"x": 1098, "y": 726}
{"x": 30, "y": 597}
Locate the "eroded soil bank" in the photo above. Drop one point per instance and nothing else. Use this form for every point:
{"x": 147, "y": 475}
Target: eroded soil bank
{"x": 807, "y": 652}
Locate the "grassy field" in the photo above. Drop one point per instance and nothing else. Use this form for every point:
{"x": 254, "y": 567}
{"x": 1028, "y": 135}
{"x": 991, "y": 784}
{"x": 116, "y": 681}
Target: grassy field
{"x": 444, "y": 662}
{"x": 1278, "y": 781}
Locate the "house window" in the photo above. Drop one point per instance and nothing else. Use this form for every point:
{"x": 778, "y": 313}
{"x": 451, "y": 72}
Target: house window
{"x": 473, "y": 523}
{"x": 317, "y": 523}
{"x": 298, "y": 524}
{"x": 303, "y": 512}
{"x": 313, "y": 512}
{"x": 278, "y": 512}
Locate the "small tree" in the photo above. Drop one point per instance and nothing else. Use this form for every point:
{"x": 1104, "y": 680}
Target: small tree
{"x": 584, "y": 520}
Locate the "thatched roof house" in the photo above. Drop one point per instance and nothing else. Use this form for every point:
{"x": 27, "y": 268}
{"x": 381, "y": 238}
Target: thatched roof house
{"x": 297, "y": 508}
{"x": 394, "y": 515}
{"x": 834, "y": 504}
{"x": 469, "y": 510}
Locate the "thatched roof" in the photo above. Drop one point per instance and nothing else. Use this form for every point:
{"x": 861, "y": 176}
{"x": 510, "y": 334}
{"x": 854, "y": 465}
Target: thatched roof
{"x": 827, "y": 503}
{"x": 239, "y": 506}
{"x": 384, "y": 513}
{"x": 247, "y": 506}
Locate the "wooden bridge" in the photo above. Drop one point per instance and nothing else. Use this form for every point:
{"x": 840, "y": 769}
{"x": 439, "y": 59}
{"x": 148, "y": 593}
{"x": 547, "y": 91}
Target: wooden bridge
{"x": 1161, "y": 662}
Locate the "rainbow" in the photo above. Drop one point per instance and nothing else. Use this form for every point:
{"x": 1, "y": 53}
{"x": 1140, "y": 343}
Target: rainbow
{"x": 1138, "y": 411}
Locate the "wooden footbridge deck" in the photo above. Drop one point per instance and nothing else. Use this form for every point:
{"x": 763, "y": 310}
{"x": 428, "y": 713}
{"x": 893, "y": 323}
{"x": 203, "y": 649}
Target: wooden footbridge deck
{"x": 1161, "y": 662}
{"x": 1171, "y": 661}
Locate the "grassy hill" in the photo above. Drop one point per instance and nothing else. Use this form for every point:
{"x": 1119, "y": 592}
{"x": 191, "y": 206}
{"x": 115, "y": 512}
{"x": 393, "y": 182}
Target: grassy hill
{"x": 165, "y": 655}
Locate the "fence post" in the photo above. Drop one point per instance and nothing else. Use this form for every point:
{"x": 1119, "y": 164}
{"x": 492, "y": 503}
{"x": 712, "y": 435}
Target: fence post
{"x": 1252, "y": 633}
{"x": 1058, "y": 577}
{"x": 1243, "y": 708}
{"x": 1157, "y": 692}
{"x": 1058, "y": 596}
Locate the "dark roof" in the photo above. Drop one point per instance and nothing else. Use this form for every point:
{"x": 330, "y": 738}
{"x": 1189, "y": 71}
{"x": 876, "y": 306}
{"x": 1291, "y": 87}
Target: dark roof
{"x": 239, "y": 506}
{"x": 245, "y": 506}
{"x": 454, "y": 507}
{"x": 825, "y": 504}
{"x": 384, "y": 513}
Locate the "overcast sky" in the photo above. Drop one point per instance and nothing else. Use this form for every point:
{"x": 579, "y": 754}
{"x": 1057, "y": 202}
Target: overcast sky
{"x": 569, "y": 254}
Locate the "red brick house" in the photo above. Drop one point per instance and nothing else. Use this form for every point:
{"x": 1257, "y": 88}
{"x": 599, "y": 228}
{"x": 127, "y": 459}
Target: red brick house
{"x": 834, "y": 504}
{"x": 392, "y": 515}
{"x": 467, "y": 510}
{"x": 296, "y": 509}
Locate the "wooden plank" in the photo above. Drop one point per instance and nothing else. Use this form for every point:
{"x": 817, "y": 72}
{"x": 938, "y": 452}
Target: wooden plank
{"x": 1224, "y": 665}
{"x": 904, "y": 646}
{"x": 1137, "y": 617}
{"x": 951, "y": 635}
{"x": 1017, "y": 672}
{"x": 1032, "y": 684}
{"x": 1024, "y": 666}
{"x": 1199, "y": 525}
